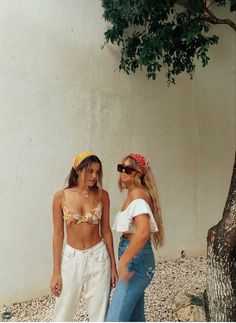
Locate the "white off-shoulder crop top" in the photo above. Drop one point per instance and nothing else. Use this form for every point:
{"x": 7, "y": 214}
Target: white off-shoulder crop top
{"x": 124, "y": 219}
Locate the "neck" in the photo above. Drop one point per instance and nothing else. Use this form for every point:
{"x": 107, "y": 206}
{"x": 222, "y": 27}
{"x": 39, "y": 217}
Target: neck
{"x": 82, "y": 188}
{"x": 130, "y": 188}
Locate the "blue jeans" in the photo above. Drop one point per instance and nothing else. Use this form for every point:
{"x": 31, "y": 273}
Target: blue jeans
{"x": 127, "y": 304}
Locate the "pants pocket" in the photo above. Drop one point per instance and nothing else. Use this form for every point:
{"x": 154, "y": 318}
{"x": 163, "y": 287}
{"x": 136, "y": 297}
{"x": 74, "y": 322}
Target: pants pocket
{"x": 101, "y": 254}
{"x": 68, "y": 254}
{"x": 149, "y": 266}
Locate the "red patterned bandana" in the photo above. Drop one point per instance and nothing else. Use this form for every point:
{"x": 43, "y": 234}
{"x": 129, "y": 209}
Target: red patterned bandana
{"x": 142, "y": 162}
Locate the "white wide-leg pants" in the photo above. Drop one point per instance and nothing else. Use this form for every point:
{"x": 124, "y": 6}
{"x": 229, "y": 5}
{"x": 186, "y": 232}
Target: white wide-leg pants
{"x": 87, "y": 271}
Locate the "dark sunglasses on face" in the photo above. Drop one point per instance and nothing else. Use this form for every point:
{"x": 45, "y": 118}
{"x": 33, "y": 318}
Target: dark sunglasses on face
{"x": 128, "y": 170}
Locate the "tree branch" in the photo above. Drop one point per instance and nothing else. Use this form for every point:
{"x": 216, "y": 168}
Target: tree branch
{"x": 211, "y": 18}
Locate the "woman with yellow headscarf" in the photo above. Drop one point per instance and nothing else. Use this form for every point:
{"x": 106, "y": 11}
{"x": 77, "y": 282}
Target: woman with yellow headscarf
{"x": 87, "y": 263}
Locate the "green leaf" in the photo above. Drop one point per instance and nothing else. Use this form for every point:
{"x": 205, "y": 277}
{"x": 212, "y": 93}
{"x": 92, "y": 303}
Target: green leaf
{"x": 155, "y": 35}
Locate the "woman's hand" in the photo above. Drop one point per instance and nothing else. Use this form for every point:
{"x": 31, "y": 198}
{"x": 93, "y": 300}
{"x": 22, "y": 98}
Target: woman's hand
{"x": 123, "y": 272}
{"x": 114, "y": 276}
{"x": 56, "y": 284}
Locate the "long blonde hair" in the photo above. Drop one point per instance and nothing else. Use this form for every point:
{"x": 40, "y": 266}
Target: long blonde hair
{"x": 147, "y": 182}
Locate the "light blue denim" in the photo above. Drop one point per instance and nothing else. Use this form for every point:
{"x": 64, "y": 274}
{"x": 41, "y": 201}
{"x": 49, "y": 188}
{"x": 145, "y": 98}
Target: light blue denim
{"x": 127, "y": 304}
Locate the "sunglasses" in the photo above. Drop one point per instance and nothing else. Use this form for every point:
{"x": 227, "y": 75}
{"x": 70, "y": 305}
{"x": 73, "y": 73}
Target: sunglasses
{"x": 128, "y": 170}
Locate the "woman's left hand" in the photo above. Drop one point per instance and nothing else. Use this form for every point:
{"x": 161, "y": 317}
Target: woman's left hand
{"x": 123, "y": 272}
{"x": 114, "y": 277}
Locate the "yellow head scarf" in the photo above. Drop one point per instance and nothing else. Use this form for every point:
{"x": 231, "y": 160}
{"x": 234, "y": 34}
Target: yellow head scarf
{"x": 80, "y": 157}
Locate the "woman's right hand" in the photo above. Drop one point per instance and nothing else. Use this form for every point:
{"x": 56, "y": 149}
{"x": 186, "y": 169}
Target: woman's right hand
{"x": 124, "y": 274}
{"x": 56, "y": 284}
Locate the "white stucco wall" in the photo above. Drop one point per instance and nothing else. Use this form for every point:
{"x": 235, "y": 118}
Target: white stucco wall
{"x": 59, "y": 95}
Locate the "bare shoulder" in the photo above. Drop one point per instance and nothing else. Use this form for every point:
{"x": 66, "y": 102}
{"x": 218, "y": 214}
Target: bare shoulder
{"x": 105, "y": 195}
{"x": 139, "y": 193}
{"x": 58, "y": 196}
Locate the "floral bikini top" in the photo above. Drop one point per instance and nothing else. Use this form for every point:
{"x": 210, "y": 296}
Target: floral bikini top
{"x": 93, "y": 217}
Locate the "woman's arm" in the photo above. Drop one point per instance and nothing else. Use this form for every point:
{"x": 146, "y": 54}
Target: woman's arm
{"x": 138, "y": 240}
{"x": 107, "y": 235}
{"x": 58, "y": 237}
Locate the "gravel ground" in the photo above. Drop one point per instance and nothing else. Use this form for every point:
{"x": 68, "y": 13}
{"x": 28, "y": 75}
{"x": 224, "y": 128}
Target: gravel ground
{"x": 171, "y": 277}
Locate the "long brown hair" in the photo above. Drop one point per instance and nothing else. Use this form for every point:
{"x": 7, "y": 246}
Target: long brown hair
{"x": 147, "y": 182}
{"x": 72, "y": 178}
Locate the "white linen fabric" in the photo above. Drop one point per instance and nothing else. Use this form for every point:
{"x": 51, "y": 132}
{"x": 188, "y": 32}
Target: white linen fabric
{"x": 88, "y": 272}
{"x": 124, "y": 219}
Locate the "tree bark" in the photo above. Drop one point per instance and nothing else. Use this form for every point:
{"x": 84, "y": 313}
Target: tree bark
{"x": 211, "y": 18}
{"x": 209, "y": 15}
{"x": 221, "y": 262}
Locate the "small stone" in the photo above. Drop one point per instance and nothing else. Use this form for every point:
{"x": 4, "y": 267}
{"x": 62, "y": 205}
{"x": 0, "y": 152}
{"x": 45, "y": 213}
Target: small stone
{"x": 185, "y": 275}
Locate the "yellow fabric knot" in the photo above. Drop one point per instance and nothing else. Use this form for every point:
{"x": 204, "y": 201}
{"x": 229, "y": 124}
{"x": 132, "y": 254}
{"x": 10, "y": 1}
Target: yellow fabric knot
{"x": 80, "y": 157}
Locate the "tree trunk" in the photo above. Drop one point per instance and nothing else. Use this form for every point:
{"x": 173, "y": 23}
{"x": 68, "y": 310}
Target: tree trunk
{"x": 221, "y": 262}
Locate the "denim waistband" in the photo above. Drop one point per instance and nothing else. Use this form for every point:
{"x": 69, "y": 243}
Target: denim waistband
{"x": 89, "y": 250}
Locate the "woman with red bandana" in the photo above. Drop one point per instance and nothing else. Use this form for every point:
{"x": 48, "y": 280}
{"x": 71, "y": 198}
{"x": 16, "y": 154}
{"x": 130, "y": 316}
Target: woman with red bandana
{"x": 139, "y": 220}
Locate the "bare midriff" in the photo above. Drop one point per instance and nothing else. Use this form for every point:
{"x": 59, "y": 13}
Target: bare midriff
{"x": 83, "y": 235}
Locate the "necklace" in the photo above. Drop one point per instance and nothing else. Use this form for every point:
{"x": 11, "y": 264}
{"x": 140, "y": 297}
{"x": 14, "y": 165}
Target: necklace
{"x": 85, "y": 195}
{"x": 82, "y": 193}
